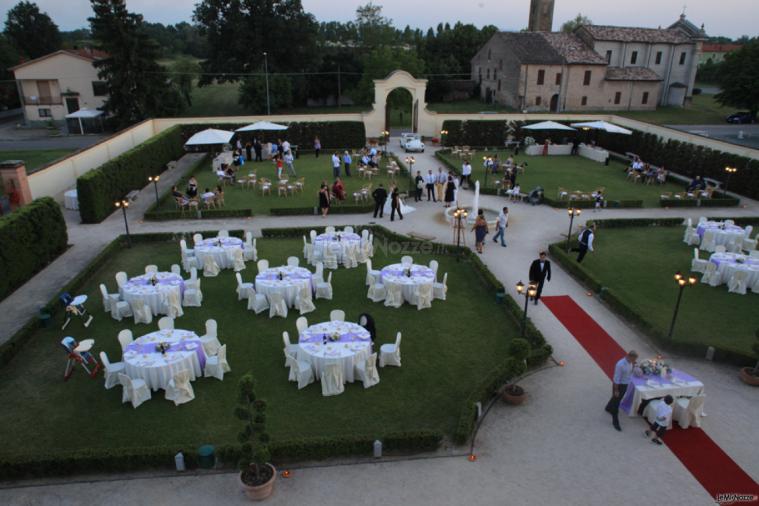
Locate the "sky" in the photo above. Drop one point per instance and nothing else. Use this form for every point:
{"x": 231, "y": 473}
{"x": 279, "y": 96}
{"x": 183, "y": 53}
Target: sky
{"x": 731, "y": 18}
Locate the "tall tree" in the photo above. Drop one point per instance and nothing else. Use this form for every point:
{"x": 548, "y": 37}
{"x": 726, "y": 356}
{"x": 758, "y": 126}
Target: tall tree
{"x": 579, "y": 20}
{"x": 138, "y": 88}
{"x": 8, "y": 58}
{"x": 738, "y": 77}
{"x": 374, "y": 29}
{"x": 31, "y": 31}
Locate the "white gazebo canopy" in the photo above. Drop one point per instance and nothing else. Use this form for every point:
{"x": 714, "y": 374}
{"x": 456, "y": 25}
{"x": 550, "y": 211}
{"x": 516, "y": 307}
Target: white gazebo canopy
{"x": 603, "y": 125}
{"x": 84, "y": 114}
{"x": 210, "y": 136}
{"x": 261, "y": 125}
{"x": 547, "y": 125}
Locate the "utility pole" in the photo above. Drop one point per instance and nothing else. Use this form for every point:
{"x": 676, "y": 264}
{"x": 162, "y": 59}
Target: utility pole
{"x": 339, "y": 91}
{"x": 266, "y": 71}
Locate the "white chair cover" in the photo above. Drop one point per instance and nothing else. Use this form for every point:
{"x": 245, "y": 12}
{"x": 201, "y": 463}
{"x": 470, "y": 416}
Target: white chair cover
{"x": 257, "y": 302}
{"x": 350, "y": 257}
{"x": 348, "y": 229}
{"x": 194, "y": 281}
{"x": 193, "y": 297}
{"x": 121, "y": 279}
{"x": 318, "y": 276}
{"x": 174, "y": 305}
{"x": 308, "y": 250}
{"x": 390, "y": 354}
{"x": 407, "y": 260}
{"x": 394, "y": 295}
{"x": 330, "y": 258}
{"x": 299, "y": 371}
{"x": 709, "y": 241}
{"x": 424, "y": 297}
{"x": 196, "y": 238}
{"x": 687, "y": 412}
{"x": 277, "y": 305}
{"x": 210, "y": 267}
{"x": 136, "y": 391}
{"x": 434, "y": 266}
{"x": 304, "y": 302}
{"x": 237, "y": 259}
{"x": 125, "y": 339}
{"x": 179, "y": 389}
{"x": 293, "y": 261}
{"x": 290, "y": 348}
{"x": 217, "y": 365}
{"x": 262, "y": 265}
{"x": 210, "y": 340}
{"x": 223, "y": 233}
{"x": 243, "y": 289}
{"x": 698, "y": 264}
{"x": 189, "y": 261}
{"x": 249, "y": 247}
{"x": 151, "y": 269}
{"x": 333, "y": 382}
{"x": 142, "y": 313}
{"x": 183, "y": 247}
{"x": 711, "y": 275}
{"x": 109, "y": 299}
{"x": 329, "y": 230}
{"x": 377, "y": 292}
{"x": 112, "y": 371}
{"x": 324, "y": 289}
{"x": 439, "y": 290}
{"x": 175, "y": 269}
{"x": 720, "y": 248}
{"x": 337, "y": 315}
{"x": 301, "y": 324}
{"x": 737, "y": 284}
{"x": 121, "y": 310}
{"x": 166, "y": 323}
{"x": 366, "y": 370}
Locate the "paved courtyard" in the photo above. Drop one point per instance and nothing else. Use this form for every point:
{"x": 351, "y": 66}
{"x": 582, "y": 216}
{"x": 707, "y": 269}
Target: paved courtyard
{"x": 558, "y": 448}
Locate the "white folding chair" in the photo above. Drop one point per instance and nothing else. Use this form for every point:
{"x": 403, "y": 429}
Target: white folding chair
{"x": 424, "y": 296}
{"x": 300, "y": 371}
{"x": 366, "y": 371}
{"x": 394, "y": 295}
{"x": 197, "y": 238}
{"x": 304, "y": 300}
{"x": 293, "y": 261}
{"x": 179, "y": 389}
{"x": 210, "y": 267}
{"x": 434, "y": 266}
{"x": 249, "y": 247}
{"x": 301, "y": 324}
{"x": 289, "y": 346}
{"x": 151, "y": 269}
{"x": 376, "y": 292}
{"x": 136, "y": 391}
{"x": 333, "y": 381}
{"x": 277, "y": 305}
{"x": 217, "y": 365}
{"x": 308, "y": 249}
{"x": 698, "y": 264}
{"x": 439, "y": 290}
{"x": 390, "y": 354}
{"x": 121, "y": 279}
{"x": 125, "y": 339}
{"x": 176, "y": 269}
{"x": 262, "y": 265}
{"x": 243, "y": 289}
{"x": 737, "y": 283}
{"x": 184, "y": 249}
{"x": 318, "y": 276}
{"x": 687, "y": 412}
{"x": 257, "y": 302}
{"x": 337, "y": 315}
{"x": 109, "y": 299}
{"x": 348, "y": 229}
{"x": 194, "y": 281}
{"x": 112, "y": 371}
{"x": 324, "y": 288}
{"x": 210, "y": 340}
{"x": 166, "y": 323}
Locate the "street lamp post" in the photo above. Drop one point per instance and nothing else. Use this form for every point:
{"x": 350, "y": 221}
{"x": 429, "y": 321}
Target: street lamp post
{"x": 730, "y": 171}
{"x": 123, "y": 204}
{"x": 485, "y": 160}
{"x": 154, "y": 180}
{"x": 443, "y": 133}
{"x": 531, "y": 291}
{"x": 682, "y": 282}
{"x": 266, "y": 72}
{"x": 572, "y": 212}
{"x": 410, "y": 161}
{"x": 384, "y": 138}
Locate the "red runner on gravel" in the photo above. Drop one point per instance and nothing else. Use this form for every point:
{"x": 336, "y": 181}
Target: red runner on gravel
{"x": 712, "y": 467}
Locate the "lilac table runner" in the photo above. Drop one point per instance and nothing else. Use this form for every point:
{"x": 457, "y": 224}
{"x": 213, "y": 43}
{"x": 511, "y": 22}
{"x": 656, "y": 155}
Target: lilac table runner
{"x": 333, "y": 237}
{"x": 641, "y": 381}
{"x": 146, "y": 345}
{"x": 711, "y": 225}
{"x": 162, "y": 279}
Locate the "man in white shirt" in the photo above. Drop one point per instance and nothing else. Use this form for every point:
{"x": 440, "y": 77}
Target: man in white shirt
{"x": 622, "y": 374}
{"x": 207, "y": 195}
{"x": 503, "y": 222}
{"x": 466, "y": 173}
{"x": 289, "y": 160}
{"x": 335, "y": 165}
{"x": 286, "y": 147}
{"x": 441, "y": 179}
{"x": 663, "y": 417}
{"x": 586, "y": 242}
{"x": 429, "y": 183}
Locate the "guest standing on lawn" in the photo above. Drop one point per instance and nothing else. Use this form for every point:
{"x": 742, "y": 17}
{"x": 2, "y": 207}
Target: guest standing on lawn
{"x": 317, "y": 147}
{"x": 466, "y": 173}
{"x": 324, "y": 199}
{"x": 480, "y": 229}
{"x": 503, "y": 222}
{"x": 395, "y": 203}
{"x": 338, "y": 189}
{"x": 441, "y": 180}
{"x": 663, "y": 416}
{"x": 586, "y": 242}
{"x": 289, "y": 160}
{"x": 622, "y": 374}
{"x": 347, "y": 160}
{"x": 335, "y": 165}
{"x": 249, "y": 151}
{"x": 419, "y": 185}
{"x": 540, "y": 272}
{"x": 380, "y": 197}
{"x": 450, "y": 191}
{"x": 430, "y": 185}
{"x": 258, "y": 148}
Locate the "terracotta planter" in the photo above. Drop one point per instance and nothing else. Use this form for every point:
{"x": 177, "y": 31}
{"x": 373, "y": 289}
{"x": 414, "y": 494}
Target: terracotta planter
{"x": 749, "y": 378}
{"x": 514, "y": 394}
{"x": 259, "y": 492}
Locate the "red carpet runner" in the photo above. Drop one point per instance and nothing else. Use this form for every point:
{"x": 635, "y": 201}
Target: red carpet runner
{"x": 711, "y": 466}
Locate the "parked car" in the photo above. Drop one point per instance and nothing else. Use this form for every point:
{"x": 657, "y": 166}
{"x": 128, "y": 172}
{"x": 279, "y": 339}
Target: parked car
{"x": 404, "y": 137}
{"x": 741, "y": 118}
{"x": 414, "y": 144}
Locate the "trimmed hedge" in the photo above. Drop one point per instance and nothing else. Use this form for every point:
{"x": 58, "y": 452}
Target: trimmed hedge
{"x": 637, "y": 222}
{"x": 475, "y": 132}
{"x": 98, "y": 189}
{"x": 332, "y": 134}
{"x": 295, "y": 211}
{"x": 202, "y": 214}
{"x": 718, "y": 202}
{"x": 30, "y": 238}
{"x": 589, "y": 204}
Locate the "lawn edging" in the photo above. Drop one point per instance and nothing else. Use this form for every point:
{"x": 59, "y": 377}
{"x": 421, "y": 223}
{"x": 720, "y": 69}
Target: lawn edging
{"x": 623, "y": 310}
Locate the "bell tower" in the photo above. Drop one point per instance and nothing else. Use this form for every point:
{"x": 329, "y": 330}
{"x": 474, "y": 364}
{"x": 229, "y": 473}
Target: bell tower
{"x": 541, "y": 16}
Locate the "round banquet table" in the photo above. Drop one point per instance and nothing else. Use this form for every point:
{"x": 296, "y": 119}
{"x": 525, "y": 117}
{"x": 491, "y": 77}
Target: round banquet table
{"x": 219, "y": 248}
{"x": 154, "y": 296}
{"x": 353, "y": 346}
{"x": 338, "y": 242}
{"x": 396, "y": 274}
{"x": 724, "y": 234}
{"x": 293, "y": 278}
{"x": 730, "y": 263}
{"x": 142, "y": 361}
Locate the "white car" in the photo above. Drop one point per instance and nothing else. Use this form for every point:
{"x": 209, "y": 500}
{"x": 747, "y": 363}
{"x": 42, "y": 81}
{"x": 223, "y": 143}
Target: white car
{"x": 414, "y": 143}
{"x": 405, "y": 137}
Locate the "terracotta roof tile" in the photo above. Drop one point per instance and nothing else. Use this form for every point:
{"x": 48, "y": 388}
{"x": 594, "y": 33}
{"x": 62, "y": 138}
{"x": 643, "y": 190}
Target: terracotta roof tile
{"x": 631, "y": 74}
{"x": 572, "y": 48}
{"x": 628, "y": 34}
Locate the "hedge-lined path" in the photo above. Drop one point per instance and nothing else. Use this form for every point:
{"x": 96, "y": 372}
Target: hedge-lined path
{"x": 559, "y": 448}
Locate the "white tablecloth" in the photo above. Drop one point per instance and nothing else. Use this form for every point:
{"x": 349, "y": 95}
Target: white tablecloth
{"x": 724, "y": 234}
{"x": 293, "y": 278}
{"x": 395, "y": 274}
{"x": 347, "y": 240}
{"x": 140, "y": 287}
{"x": 730, "y": 263}
{"x": 219, "y": 248}
{"x": 71, "y": 200}
{"x": 354, "y": 346}
{"x": 597, "y": 154}
{"x": 142, "y": 361}
{"x": 553, "y": 149}
{"x": 644, "y": 388}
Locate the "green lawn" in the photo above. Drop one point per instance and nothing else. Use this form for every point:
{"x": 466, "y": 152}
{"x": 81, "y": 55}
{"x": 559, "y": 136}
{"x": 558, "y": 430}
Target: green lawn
{"x": 704, "y": 110}
{"x": 34, "y": 159}
{"x": 572, "y": 173}
{"x": 637, "y": 265}
{"x": 444, "y": 359}
{"x": 315, "y": 170}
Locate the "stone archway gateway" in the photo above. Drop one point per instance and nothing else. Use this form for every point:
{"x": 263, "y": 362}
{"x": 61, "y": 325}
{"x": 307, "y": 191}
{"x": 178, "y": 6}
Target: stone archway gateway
{"x": 376, "y": 120}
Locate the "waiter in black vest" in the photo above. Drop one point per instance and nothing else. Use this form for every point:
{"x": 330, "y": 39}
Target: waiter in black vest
{"x": 586, "y": 241}
{"x": 540, "y": 271}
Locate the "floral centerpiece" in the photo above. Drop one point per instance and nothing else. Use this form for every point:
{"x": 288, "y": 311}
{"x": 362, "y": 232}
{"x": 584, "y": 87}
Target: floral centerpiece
{"x": 408, "y": 273}
{"x": 153, "y": 280}
{"x": 655, "y": 367}
{"x": 335, "y": 336}
{"x": 162, "y": 347}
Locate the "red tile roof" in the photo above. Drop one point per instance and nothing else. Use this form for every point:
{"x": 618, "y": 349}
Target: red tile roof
{"x": 631, "y": 74}
{"x": 720, "y": 48}
{"x": 627, "y": 34}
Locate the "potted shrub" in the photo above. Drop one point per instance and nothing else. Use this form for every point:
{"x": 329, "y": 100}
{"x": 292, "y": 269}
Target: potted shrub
{"x": 750, "y": 375}
{"x": 257, "y": 475}
{"x": 519, "y": 349}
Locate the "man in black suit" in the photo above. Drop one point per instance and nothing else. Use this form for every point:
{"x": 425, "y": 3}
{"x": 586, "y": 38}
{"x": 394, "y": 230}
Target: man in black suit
{"x": 540, "y": 271}
{"x": 380, "y": 196}
{"x": 586, "y": 242}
